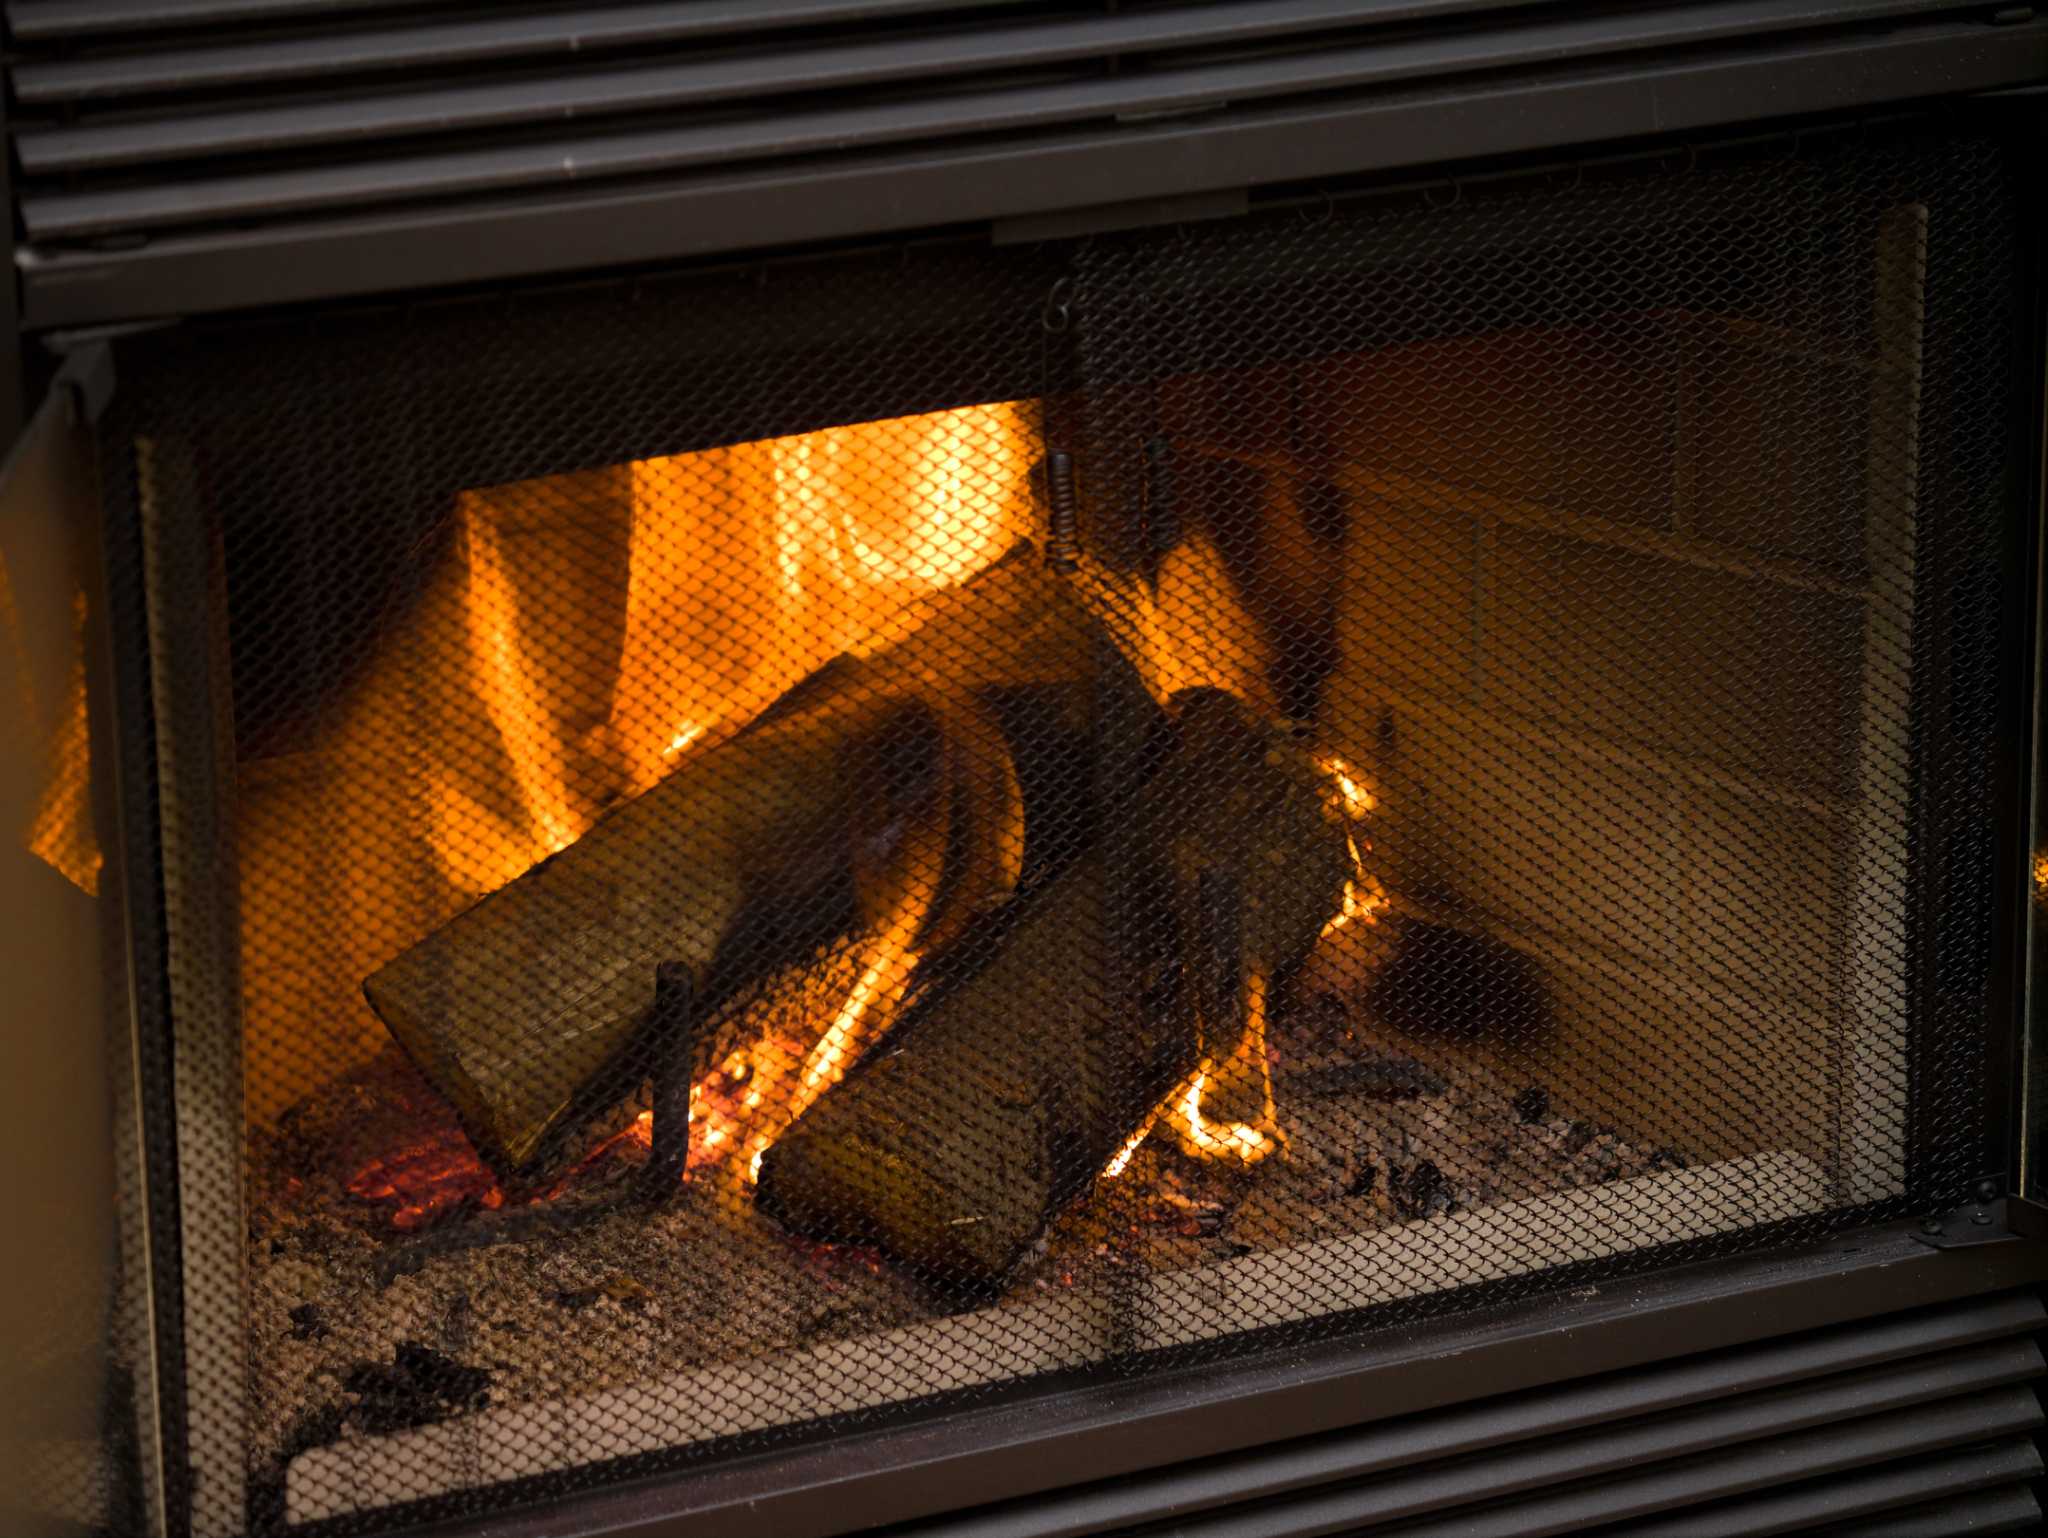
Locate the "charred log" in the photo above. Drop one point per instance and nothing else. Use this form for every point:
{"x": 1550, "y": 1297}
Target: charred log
{"x": 1001, "y": 1097}
{"x": 881, "y": 790}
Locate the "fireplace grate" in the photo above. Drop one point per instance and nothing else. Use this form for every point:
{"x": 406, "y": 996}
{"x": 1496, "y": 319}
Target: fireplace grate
{"x": 804, "y": 845}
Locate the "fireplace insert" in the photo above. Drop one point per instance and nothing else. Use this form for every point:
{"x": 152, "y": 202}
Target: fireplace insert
{"x": 1163, "y": 809}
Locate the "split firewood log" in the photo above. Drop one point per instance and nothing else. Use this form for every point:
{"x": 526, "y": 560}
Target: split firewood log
{"x": 881, "y": 791}
{"x": 1003, "y": 1094}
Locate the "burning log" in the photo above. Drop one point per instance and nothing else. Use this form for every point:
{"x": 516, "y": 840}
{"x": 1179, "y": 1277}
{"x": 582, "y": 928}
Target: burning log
{"x": 835, "y": 809}
{"x": 1003, "y": 1095}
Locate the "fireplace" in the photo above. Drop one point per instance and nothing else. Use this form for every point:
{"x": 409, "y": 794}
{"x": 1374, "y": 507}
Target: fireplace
{"x": 816, "y": 855}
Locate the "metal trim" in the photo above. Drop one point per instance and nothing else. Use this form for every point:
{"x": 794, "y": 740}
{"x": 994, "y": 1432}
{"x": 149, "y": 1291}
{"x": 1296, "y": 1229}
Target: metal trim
{"x": 1115, "y": 1430}
{"x": 460, "y": 243}
{"x": 1503, "y": 1448}
{"x": 2002, "y": 1509}
{"x": 1849, "y": 1470}
{"x": 502, "y": 168}
{"x": 1699, "y": 1489}
{"x": 408, "y": 44}
{"x": 573, "y": 95}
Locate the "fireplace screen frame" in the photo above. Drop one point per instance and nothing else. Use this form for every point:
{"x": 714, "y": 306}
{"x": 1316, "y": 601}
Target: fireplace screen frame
{"x": 188, "y": 716}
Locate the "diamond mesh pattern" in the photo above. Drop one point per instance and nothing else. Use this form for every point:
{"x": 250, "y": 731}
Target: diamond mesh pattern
{"x": 746, "y": 851}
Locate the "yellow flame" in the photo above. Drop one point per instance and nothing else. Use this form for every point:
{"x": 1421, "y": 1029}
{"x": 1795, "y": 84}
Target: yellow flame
{"x": 1198, "y": 1135}
{"x": 755, "y": 564}
{"x": 1202, "y": 1138}
{"x": 585, "y": 634}
{"x": 1121, "y": 1159}
{"x": 1216, "y": 1140}
{"x": 890, "y": 963}
{"x": 481, "y": 846}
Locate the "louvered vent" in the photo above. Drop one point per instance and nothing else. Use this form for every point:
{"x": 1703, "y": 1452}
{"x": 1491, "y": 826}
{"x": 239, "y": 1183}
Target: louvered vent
{"x": 1863, "y": 1429}
{"x": 144, "y": 123}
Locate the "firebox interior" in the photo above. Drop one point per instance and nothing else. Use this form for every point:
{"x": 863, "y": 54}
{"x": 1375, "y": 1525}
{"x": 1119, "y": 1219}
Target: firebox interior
{"x": 1072, "y": 802}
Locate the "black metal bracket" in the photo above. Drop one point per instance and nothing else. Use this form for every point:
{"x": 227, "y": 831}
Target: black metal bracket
{"x": 2028, "y": 1219}
{"x": 87, "y": 374}
{"x": 670, "y": 1034}
{"x": 1986, "y": 1219}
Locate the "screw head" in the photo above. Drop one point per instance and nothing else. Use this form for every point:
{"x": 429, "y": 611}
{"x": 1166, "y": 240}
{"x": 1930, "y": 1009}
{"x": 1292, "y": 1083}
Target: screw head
{"x": 1930, "y": 1225}
{"x": 1980, "y": 1217}
{"x": 1987, "y": 1190}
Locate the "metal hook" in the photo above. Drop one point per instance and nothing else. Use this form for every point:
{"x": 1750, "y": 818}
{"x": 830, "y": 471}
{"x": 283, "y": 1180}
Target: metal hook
{"x": 1457, "y": 194}
{"x": 1058, "y": 313}
{"x": 1322, "y": 213}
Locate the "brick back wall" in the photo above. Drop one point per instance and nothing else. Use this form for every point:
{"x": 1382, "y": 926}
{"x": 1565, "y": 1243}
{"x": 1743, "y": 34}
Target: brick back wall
{"x": 1601, "y": 630}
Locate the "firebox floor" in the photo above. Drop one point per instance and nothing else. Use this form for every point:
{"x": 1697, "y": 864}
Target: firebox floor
{"x": 393, "y": 1366}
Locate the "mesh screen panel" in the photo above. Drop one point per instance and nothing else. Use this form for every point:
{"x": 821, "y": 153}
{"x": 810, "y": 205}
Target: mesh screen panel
{"x": 772, "y": 850}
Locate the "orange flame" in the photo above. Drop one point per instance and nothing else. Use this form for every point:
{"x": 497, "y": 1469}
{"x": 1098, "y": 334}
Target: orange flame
{"x": 61, "y": 833}
{"x": 1347, "y": 801}
{"x": 1200, "y": 1137}
{"x": 1247, "y": 1142}
{"x": 839, "y": 1047}
{"x": 587, "y": 632}
{"x": 60, "y": 830}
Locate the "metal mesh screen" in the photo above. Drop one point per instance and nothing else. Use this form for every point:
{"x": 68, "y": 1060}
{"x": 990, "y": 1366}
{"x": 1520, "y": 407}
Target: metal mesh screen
{"x": 767, "y": 850}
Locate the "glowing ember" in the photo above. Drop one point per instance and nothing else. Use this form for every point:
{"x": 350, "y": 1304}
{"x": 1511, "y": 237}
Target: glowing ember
{"x": 425, "y": 1181}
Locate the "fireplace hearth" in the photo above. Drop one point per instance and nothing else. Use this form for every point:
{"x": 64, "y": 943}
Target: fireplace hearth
{"x": 737, "y": 880}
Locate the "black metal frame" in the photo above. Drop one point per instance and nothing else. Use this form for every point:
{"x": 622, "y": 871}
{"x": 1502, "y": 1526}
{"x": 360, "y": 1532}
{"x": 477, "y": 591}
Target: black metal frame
{"x": 1077, "y": 1436}
{"x": 2026, "y": 588}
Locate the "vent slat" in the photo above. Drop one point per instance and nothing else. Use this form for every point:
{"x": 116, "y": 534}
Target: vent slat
{"x": 1266, "y": 1474}
{"x": 2005, "y": 1509}
{"x": 1865, "y": 1492}
{"x": 38, "y": 21}
{"x": 619, "y": 90}
{"x": 1668, "y": 1464}
{"x": 476, "y": 38}
{"x": 179, "y": 156}
{"x": 578, "y": 161}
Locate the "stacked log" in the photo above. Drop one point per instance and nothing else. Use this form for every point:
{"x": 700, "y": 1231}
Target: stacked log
{"x": 1001, "y": 1097}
